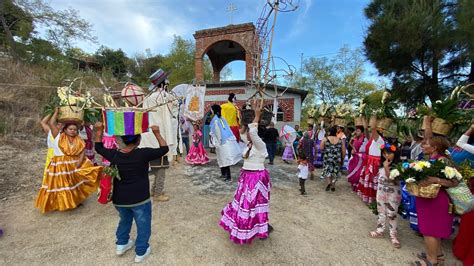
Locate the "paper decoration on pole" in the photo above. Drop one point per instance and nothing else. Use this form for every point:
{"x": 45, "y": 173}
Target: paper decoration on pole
{"x": 288, "y": 133}
{"x": 123, "y": 123}
{"x": 194, "y": 103}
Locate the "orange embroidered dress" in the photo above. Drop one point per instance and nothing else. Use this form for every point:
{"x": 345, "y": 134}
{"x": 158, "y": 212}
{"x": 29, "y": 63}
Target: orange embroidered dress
{"x": 65, "y": 186}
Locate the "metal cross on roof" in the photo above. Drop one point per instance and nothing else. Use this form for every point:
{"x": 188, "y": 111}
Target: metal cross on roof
{"x": 231, "y": 9}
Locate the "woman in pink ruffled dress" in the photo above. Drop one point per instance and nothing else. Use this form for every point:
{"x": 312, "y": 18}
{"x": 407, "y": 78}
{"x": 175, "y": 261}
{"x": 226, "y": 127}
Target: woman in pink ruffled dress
{"x": 356, "y": 163}
{"x": 246, "y": 217}
{"x": 197, "y": 154}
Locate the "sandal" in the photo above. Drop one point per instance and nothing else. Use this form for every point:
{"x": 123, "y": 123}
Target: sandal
{"x": 375, "y": 234}
{"x": 423, "y": 256}
{"x": 395, "y": 241}
{"x": 424, "y": 262}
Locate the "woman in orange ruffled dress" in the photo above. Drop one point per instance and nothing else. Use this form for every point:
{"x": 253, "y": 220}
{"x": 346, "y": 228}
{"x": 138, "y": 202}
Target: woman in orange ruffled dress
{"x": 70, "y": 176}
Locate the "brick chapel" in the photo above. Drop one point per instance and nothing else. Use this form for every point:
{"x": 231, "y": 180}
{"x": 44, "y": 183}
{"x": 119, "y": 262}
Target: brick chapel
{"x": 234, "y": 42}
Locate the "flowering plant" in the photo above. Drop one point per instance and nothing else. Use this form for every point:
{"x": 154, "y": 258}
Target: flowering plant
{"x": 112, "y": 171}
{"x": 362, "y": 108}
{"x": 323, "y": 109}
{"x": 343, "y": 110}
{"x": 387, "y": 110}
{"x": 312, "y": 112}
{"x": 416, "y": 171}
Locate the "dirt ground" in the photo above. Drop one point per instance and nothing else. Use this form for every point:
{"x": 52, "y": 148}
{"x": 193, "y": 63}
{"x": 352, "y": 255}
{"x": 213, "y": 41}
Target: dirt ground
{"x": 322, "y": 228}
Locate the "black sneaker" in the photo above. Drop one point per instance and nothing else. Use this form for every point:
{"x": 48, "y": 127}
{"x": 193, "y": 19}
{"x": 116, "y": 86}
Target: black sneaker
{"x": 222, "y": 177}
{"x": 228, "y": 180}
{"x": 303, "y": 193}
{"x": 270, "y": 228}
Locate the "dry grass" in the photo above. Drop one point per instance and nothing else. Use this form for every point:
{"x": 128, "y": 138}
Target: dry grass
{"x": 21, "y": 104}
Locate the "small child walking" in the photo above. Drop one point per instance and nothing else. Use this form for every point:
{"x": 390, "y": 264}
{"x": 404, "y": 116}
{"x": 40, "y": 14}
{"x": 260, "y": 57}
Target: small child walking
{"x": 303, "y": 172}
{"x": 388, "y": 194}
{"x": 197, "y": 154}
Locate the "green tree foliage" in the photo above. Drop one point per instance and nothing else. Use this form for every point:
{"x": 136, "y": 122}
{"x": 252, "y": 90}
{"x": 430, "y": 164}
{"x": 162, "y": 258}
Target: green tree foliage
{"x": 142, "y": 66}
{"x": 465, "y": 33}
{"x": 336, "y": 80}
{"x": 416, "y": 43}
{"x": 180, "y": 61}
{"x": 19, "y": 19}
{"x": 15, "y": 23}
{"x": 115, "y": 60}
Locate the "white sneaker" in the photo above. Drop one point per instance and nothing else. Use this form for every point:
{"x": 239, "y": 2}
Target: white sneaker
{"x": 141, "y": 258}
{"x": 121, "y": 249}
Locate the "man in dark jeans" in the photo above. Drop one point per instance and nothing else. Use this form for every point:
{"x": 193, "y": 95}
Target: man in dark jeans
{"x": 270, "y": 138}
{"x": 131, "y": 191}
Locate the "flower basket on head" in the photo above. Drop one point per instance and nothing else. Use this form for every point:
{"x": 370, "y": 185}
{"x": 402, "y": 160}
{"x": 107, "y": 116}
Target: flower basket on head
{"x": 71, "y": 114}
{"x": 247, "y": 116}
{"x": 124, "y": 122}
{"x": 359, "y": 121}
{"x": 429, "y": 192}
{"x": 441, "y": 126}
{"x": 384, "y": 123}
{"x": 339, "y": 121}
{"x": 327, "y": 121}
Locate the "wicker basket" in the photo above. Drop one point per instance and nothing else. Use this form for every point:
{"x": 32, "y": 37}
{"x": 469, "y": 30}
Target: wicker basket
{"x": 338, "y": 121}
{"x": 247, "y": 115}
{"x": 371, "y": 120}
{"x": 359, "y": 121}
{"x": 429, "y": 192}
{"x": 71, "y": 114}
{"x": 384, "y": 123}
{"x": 327, "y": 121}
{"x": 441, "y": 127}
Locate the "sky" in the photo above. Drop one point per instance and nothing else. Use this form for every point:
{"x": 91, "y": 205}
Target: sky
{"x": 316, "y": 28}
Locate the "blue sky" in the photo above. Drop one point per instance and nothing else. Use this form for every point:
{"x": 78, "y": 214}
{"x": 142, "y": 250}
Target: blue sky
{"x": 317, "y": 27}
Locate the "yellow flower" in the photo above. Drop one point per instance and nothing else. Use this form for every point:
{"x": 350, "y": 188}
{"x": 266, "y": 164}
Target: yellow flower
{"x": 418, "y": 167}
{"x": 425, "y": 164}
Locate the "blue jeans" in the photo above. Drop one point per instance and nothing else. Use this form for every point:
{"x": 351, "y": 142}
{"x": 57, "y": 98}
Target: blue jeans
{"x": 271, "y": 149}
{"x": 142, "y": 216}
{"x": 185, "y": 140}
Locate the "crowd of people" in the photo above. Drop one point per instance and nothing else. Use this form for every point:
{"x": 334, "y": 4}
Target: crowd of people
{"x": 71, "y": 174}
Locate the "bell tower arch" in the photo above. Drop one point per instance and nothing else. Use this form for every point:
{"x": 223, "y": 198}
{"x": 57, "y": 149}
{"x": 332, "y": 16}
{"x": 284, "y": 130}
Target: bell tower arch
{"x": 224, "y": 45}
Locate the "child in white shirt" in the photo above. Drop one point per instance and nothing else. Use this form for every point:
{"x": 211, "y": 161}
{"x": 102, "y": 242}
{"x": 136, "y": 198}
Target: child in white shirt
{"x": 303, "y": 172}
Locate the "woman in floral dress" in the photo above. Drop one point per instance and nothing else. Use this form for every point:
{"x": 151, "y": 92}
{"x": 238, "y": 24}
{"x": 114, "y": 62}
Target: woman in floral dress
{"x": 334, "y": 150}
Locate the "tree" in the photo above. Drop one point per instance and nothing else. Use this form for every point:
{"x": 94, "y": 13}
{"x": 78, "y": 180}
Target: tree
{"x": 180, "y": 61}
{"x": 336, "y": 80}
{"x": 14, "y": 23}
{"x": 414, "y": 42}
{"x": 142, "y": 66}
{"x": 465, "y": 33}
{"x": 62, "y": 27}
{"x": 114, "y": 60}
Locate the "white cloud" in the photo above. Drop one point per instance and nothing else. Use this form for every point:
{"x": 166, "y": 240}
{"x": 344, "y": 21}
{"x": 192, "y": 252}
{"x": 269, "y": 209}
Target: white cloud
{"x": 131, "y": 25}
{"x": 299, "y": 25}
